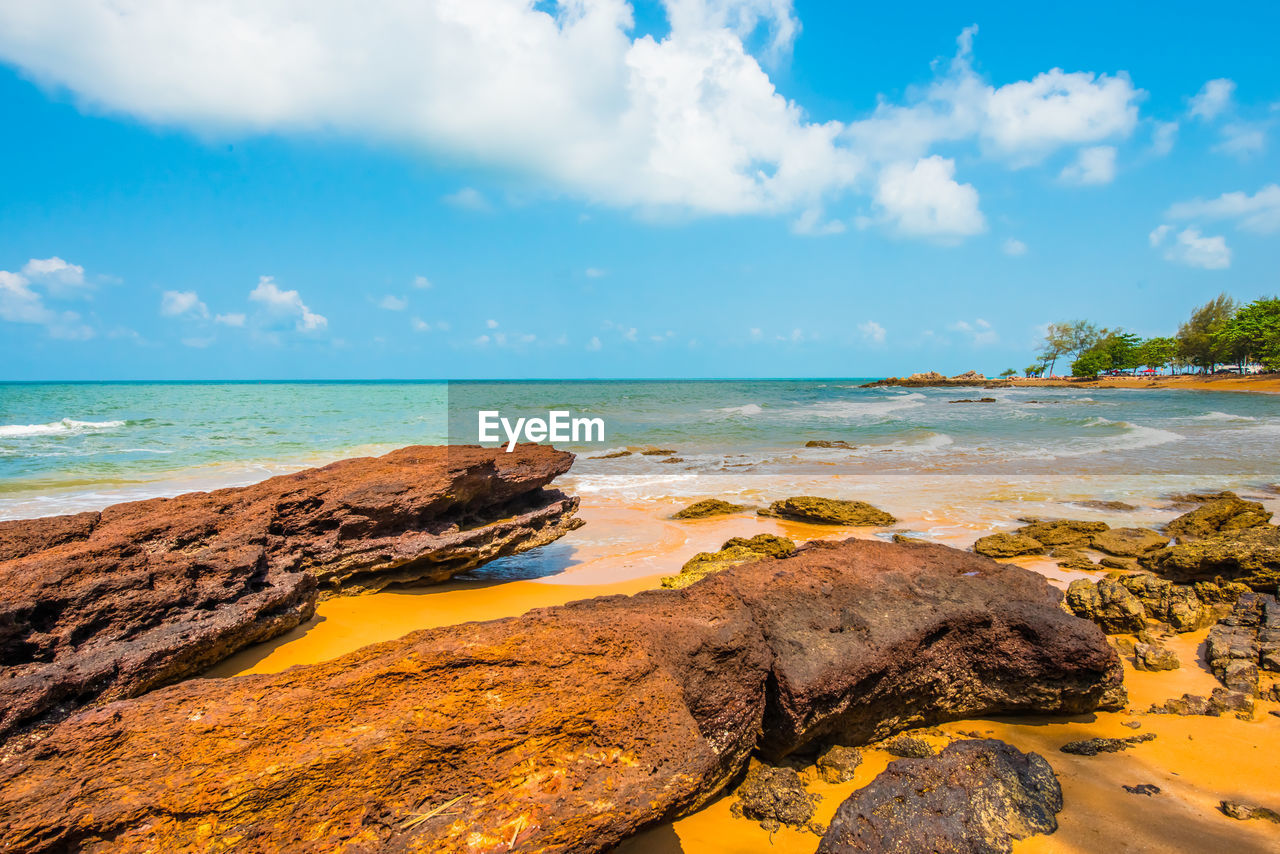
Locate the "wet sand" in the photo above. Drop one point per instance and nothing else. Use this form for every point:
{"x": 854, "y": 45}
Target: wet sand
{"x": 628, "y": 545}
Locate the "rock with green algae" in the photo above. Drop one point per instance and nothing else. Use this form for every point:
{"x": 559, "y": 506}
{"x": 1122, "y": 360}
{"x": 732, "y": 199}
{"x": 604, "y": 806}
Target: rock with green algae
{"x": 1072, "y": 533}
{"x": 1218, "y": 517}
{"x": 1250, "y": 557}
{"x": 838, "y": 764}
{"x": 829, "y": 511}
{"x": 775, "y": 796}
{"x": 1068, "y": 558}
{"x": 1149, "y": 657}
{"x": 709, "y": 507}
{"x": 1175, "y": 604}
{"x": 1108, "y": 603}
{"x": 1128, "y": 542}
{"x": 734, "y": 551}
{"x": 908, "y": 746}
{"x": 830, "y": 443}
{"x": 1008, "y": 545}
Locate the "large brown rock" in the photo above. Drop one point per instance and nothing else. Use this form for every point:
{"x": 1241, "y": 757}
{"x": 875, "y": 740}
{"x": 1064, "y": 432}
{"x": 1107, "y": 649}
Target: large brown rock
{"x": 828, "y": 511}
{"x": 1108, "y": 603}
{"x": 1250, "y": 557}
{"x": 1008, "y": 545}
{"x": 110, "y": 605}
{"x": 1128, "y": 542}
{"x": 1244, "y": 642}
{"x": 1218, "y": 517}
{"x": 568, "y": 729}
{"x": 975, "y": 797}
{"x": 1071, "y": 533}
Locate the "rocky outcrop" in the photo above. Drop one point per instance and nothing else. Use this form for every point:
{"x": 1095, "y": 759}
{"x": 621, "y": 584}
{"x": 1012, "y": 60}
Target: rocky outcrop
{"x": 1176, "y": 605}
{"x": 1218, "y": 703}
{"x": 1067, "y": 533}
{"x": 930, "y": 379}
{"x": 1008, "y": 545}
{"x": 829, "y": 511}
{"x": 975, "y": 797}
{"x": 709, "y": 507}
{"x": 567, "y": 729}
{"x": 735, "y": 551}
{"x": 1108, "y": 603}
{"x": 1251, "y": 557}
{"x": 774, "y": 797}
{"x": 1128, "y": 542}
{"x": 101, "y": 606}
{"x": 1245, "y": 642}
{"x": 1220, "y": 516}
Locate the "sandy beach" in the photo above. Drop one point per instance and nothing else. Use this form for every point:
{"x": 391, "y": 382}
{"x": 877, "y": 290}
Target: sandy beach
{"x": 1262, "y": 383}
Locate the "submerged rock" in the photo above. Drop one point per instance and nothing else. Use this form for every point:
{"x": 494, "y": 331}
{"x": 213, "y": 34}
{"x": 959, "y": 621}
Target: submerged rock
{"x": 1201, "y": 497}
{"x": 1107, "y": 603}
{"x": 1220, "y": 516}
{"x": 1251, "y": 557}
{"x": 830, "y": 443}
{"x": 109, "y": 605}
{"x": 1113, "y": 506}
{"x": 735, "y": 551}
{"x": 567, "y": 729}
{"x": 1094, "y": 746}
{"x": 774, "y": 797}
{"x": 974, "y": 797}
{"x": 829, "y": 511}
{"x": 709, "y": 507}
{"x": 611, "y": 455}
{"x": 974, "y": 400}
{"x": 838, "y": 764}
{"x": 1128, "y": 542}
{"x": 1007, "y": 545}
{"x": 1071, "y": 533}
{"x": 656, "y": 452}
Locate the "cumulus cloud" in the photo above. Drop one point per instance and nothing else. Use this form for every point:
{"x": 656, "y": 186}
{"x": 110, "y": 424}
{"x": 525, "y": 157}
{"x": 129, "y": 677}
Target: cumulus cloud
{"x": 811, "y": 222}
{"x": 594, "y": 344}
{"x": 980, "y": 332}
{"x": 22, "y": 297}
{"x": 562, "y": 92}
{"x": 1242, "y": 139}
{"x": 178, "y": 303}
{"x": 1014, "y": 246}
{"x": 1213, "y": 99}
{"x": 393, "y": 303}
{"x": 230, "y": 319}
{"x": 421, "y": 282}
{"x": 1095, "y": 165}
{"x": 871, "y": 332}
{"x": 1259, "y": 213}
{"x": 287, "y": 304}
{"x": 1189, "y": 247}
{"x": 924, "y": 199}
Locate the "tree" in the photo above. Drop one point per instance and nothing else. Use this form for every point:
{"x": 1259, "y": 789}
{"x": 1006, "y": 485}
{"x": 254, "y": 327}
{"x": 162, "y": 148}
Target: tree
{"x": 1155, "y": 353}
{"x": 1252, "y": 334}
{"x": 1090, "y": 363}
{"x": 1008, "y": 372}
{"x": 1196, "y": 342}
{"x": 1067, "y": 339}
{"x": 1035, "y": 370}
{"x": 1114, "y": 350}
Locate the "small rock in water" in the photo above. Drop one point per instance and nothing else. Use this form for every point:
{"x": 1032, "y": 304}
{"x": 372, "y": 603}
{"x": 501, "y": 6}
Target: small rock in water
{"x": 974, "y": 400}
{"x": 612, "y": 455}
{"x": 1147, "y": 789}
{"x": 828, "y": 511}
{"x": 1008, "y": 545}
{"x": 657, "y": 452}
{"x": 674, "y": 460}
{"x": 1114, "y": 506}
{"x": 709, "y": 507}
{"x": 1245, "y": 812}
{"x": 909, "y": 747}
{"x": 839, "y": 764}
{"x": 774, "y": 797}
{"x": 1062, "y": 532}
{"x": 734, "y": 551}
{"x": 1128, "y": 542}
{"x": 829, "y": 443}
{"x": 1094, "y": 746}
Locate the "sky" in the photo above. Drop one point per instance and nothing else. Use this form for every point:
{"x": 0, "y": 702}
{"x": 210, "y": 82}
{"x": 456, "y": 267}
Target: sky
{"x": 310, "y": 189}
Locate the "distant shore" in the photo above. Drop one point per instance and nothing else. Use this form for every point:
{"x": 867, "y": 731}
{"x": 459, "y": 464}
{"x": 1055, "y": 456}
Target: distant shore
{"x": 1257, "y": 383}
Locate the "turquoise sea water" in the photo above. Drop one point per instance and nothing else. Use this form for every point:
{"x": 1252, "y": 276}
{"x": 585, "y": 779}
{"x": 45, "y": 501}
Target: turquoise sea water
{"x": 70, "y": 446}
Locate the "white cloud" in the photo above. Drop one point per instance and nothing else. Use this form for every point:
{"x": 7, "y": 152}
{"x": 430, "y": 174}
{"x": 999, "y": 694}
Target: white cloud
{"x": 420, "y": 325}
{"x": 421, "y": 282}
{"x": 58, "y": 276}
{"x": 1158, "y": 234}
{"x": 810, "y": 223}
{"x": 1213, "y": 99}
{"x": 20, "y": 302}
{"x": 594, "y": 344}
{"x": 491, "y": 323}
{"x": 1190, "y": 248}
{"x": 564, "y": 93}
{"x": 1242, "y": 139}
{"x": 393, "y": 303}
{"x": 468, "y": 198}
{"x": 1014, "y": 247}
{"x": 595, "y": 273}
{"x": 1258, "y": 213}
{"x": 177, "y": 303}
{"x": 1163, "y": 136}
{"x": 230, "y": 319}
{"x": 481, "y": 340}
{"x": 287, "y": 303}
{"x": 1095, "y": 165}
{"x": 923, "y": 199}
{"x": 980, "y": 332}
{"x": 872, "y": 332}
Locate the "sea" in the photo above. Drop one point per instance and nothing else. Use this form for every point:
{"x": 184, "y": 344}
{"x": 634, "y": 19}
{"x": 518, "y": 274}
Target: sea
{"x": 68, "y": 447}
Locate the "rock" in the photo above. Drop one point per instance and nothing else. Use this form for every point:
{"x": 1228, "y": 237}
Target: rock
{"x": 1218, "y": 703}
{"x": 969, "y": 376}
{"x": 1094, "y": 746}
{"x": 1072, "y": 559}
{"x": 1113, "y": 506}
{"x": 1128, "y": 542}
{"x": 1124, "y": 564}
{"x": 975, "y": 796}
{"x": 908, "y": 746}
{"x": 1147, "y": 789}
{"x": 1107, "y": 603}
{"x": 709, "y": 507}
{"x": 1245, "y": 812}
{"x": 657, "y": 452}
{"x": 839, "y": 764}
{"x": 1201, "y": 497}
{"x": 774, "y": 797}
{"x": 974, "y": 400}
{"x": 1007, "y": 545}
{"x": 1220, "y": 594}
{"x": 611, "y": 455}
{"x": 1178, "y": 605}
{"x": 567, "y": 729}
{"x": 109, "y": 605}
{"x": 1148, "y": 657}
{"x": 1245, "y": 641}
{"x": 1071, "y": 533}
{"x": 829, "y": 511}
{"x": 673, "y": 460}
{"x": 1217, "y": 517}
{"x": 1251, "y": 557}
{"x": 829, "y": 443}
{"x": 735, "y": 551}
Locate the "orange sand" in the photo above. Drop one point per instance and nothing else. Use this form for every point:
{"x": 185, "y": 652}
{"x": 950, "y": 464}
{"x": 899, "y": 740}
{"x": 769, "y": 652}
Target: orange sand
{"x": 1196, "y": 761}
{"x": 1269, "y": 383}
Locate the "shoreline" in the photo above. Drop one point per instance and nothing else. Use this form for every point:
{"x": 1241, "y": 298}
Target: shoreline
{"x": 1252, "y": 384}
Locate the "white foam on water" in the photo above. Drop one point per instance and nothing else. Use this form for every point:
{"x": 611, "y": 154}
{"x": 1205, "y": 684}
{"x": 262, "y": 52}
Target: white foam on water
{"x": 859, "y": 409}
{"x": 56, "y": 428}
{"x": 1219, "y": 417}
{"x": 745, "y": 409}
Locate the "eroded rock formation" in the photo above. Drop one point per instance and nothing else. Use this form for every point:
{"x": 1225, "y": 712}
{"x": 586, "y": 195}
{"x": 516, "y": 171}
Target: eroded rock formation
{"x": 567, "y": 729}
{"x": 110, "y": 605}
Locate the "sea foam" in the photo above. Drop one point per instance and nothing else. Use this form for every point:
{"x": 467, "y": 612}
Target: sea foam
{"x": 56, "y": 428}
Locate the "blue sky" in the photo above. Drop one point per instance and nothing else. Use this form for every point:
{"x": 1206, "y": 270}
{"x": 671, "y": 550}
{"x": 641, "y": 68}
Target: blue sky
{"x": 696, "y": 188}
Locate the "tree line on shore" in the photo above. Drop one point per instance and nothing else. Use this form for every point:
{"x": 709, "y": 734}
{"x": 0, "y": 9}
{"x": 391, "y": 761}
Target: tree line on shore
{"x": 1220, "y": 332}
